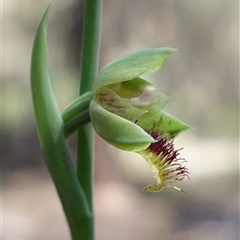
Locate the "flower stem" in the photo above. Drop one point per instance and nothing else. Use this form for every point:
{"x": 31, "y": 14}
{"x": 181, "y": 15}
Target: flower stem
{"x": 89, "y": 68}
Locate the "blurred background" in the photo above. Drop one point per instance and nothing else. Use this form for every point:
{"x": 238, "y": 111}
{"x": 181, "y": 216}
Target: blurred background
{"x": 202, "y": 78}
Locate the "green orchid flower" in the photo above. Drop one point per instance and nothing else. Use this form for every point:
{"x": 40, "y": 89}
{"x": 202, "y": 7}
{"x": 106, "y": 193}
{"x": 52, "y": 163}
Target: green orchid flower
{"x": 127, "y": 113}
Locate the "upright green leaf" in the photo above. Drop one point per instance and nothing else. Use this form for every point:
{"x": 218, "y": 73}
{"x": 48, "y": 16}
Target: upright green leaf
{"x": 50, "y": 129}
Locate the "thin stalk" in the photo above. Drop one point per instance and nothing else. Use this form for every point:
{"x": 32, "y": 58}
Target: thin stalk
{"x": 89, "y": 68}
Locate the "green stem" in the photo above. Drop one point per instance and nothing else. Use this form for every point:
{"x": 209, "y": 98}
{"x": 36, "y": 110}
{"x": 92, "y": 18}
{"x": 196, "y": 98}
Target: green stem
{"x": 90, "y": 44}
{"x": 89, "y": 68}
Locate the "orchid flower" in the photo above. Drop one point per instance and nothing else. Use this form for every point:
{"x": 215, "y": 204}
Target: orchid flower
{"x": 127, "y": 113}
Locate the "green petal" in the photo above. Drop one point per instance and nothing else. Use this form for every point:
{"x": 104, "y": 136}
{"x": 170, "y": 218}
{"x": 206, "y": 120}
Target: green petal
{"x": 132, "y": 66}
{"x": 118, "y": 131}
{"x": 111, "y": 102}
{"x": 161, "y": 121}
{"x": 133, "y": 88}
{"x": 150, "y": 98}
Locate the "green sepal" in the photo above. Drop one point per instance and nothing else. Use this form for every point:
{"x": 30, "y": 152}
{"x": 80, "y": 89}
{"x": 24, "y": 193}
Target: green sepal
{"x": 132, "y": 66}
{"x": 163, "y": 122}
{"x": 118, "y": 131}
